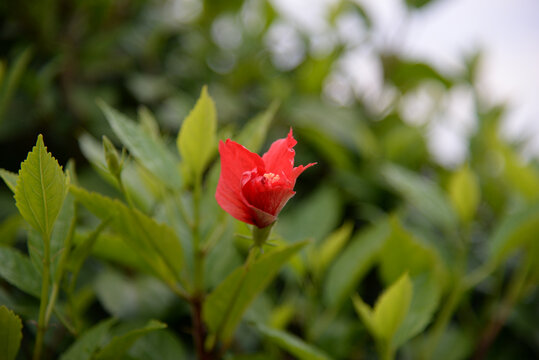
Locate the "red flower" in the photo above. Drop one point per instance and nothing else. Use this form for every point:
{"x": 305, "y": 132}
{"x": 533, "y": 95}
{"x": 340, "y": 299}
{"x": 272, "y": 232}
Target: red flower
{"x": 254, "y": 189}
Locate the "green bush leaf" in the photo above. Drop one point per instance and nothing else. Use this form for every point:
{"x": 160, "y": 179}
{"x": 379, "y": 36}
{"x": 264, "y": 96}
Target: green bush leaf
{"x": 17, "y": 269}
{"x": 292, "y": 344}
{"x": 162, "y": 345}
{"x": 9, "y": 178}
{"x": 464, "y": 193}
{"x": 353, "y": 263}
{"x": 390, "y": 309}
{"x": 225, "y": 306}
{"x": 322, "y": 256}
{"x": 156, "y": 243}
{"x": 119, "y": 345}
{"x": 253, "y": 134}
{"x": 425, "y": 300}
{"x": 516, "y": 229}
{"x": 90, "y": 341}
{"x": 41, "y": 189}
{"x": 196, "y": 139}
{"x": 423, "y": 194}
{"x": 10, "y": 334}
{"x": 150, "y": 152}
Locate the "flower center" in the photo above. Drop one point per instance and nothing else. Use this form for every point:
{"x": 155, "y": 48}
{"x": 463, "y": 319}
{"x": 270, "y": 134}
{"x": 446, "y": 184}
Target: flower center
{"x": 271, "y": 178}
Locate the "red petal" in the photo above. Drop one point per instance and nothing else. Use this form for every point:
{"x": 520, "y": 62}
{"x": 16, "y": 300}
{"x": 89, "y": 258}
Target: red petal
{"x": 280, "y": 157}
{"x": 298, "y": 170}
{"x": 235, "y": 160}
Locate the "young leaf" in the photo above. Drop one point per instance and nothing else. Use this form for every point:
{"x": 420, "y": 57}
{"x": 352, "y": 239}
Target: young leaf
{"x": 390, "y": 309}
{"x": 162, "y": 345}
{"x": 10, "y": 334}
{"x": 225, "y": 306}
{"x": 119, "y": 345}
{"x": 425, "y": 300}
{"x": 151, "y": 153}
{"x": 17, "y": 269}
{"x": 292, "y": 344}
{"x": 196, "y": 140}
{"x": 41, "y": 189}
{"x": 90, "y": 341}
{"x": 156, "y": 243}
{"x": 353, "y": 263}
{"x": 464, "y": 193}
{"x": 9, "y": 178}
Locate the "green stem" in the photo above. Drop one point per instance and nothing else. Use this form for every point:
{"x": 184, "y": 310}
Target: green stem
{"x": 198, "y": 254}
{"x": 45, "y": 283}
{"x": 385, "y": 350}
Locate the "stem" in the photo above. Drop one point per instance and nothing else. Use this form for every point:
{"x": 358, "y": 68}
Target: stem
{"x": 45, "y": 283}
{"x": 199, "y": 331}
{"x": 198, "y": 254}
{"x": 385, "y": 350}
{"x": 516, "y": 286}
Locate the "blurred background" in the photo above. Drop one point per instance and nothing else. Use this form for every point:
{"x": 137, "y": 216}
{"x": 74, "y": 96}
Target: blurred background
{"x": 428, "y": 86}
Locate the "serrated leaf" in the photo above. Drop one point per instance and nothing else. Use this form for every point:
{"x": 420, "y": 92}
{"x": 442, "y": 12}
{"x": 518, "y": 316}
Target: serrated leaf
{"x": 150, "y": 152}
{"x": 9, "y": 178}
{"x": 41, "y": 189}
{"x": 389, "y": 311}
{"x": 292, "y": 344}
{"x": 156, "y": 243}
{"x": 10, "y": 334}
{"x": 225, "y": 306}
{"x": 17, "y": 269}
{"x": 197, "y": 140}
{"x": 464, "y": 193}
{"x": 353, "y": 263}
{"x": 119, "y": 345}
{"x": 90, "y": 341}
{"x": 253, "y": 134}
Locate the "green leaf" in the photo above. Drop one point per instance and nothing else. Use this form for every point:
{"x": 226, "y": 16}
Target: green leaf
{"x": 10, "y": 334}
{"x": 353, "y": 263}
{"x": 403, "y": 252}
{"x": 119, "y": 345}
{"x": 292, "y": 344}
{"x": 156, "y": 243}
{"x": 150, "y": 152}
{"x": 9, "y": 228}
{"x": 516, "y": 229}
{"x": 390, "y": 309}
{"x": 90, "y": 341}
{"x": 162, "y": 345}
{"x": 253, "y": 134}
{"x": 41, "y": 189}
{"x": 225, "y": 306}
{"x": 322, "y": 256}
{"x": 12, "y": 80}
{"x": 425, "y": 300}
{"x": 464, "y": 193}
{"x": 423, "y": 194}
{"x": 197, "y": 140}
{"x": 17, "y": 269}
{"x": 9, "y": 178}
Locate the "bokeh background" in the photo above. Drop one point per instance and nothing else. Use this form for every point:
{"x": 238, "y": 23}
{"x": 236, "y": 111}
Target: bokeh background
{"x": 428, "y": 86}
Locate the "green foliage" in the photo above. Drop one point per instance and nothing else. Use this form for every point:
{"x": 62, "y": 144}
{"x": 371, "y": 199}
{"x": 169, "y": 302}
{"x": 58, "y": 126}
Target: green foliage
{"x": 10, "y": 333}
{"x": 292, "y": 344}
{"x": 17, "y": 269}
{"x": 464, "y": 193}
{"x": 41, "y": 188}
{"x": 389, "y": 311}
{"x": 196, "y": 140}
{"x": 227, "y": 303}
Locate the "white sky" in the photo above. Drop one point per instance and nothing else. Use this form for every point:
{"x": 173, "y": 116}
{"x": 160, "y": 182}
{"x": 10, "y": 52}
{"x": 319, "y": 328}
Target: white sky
{"x": 444, "y": 32}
